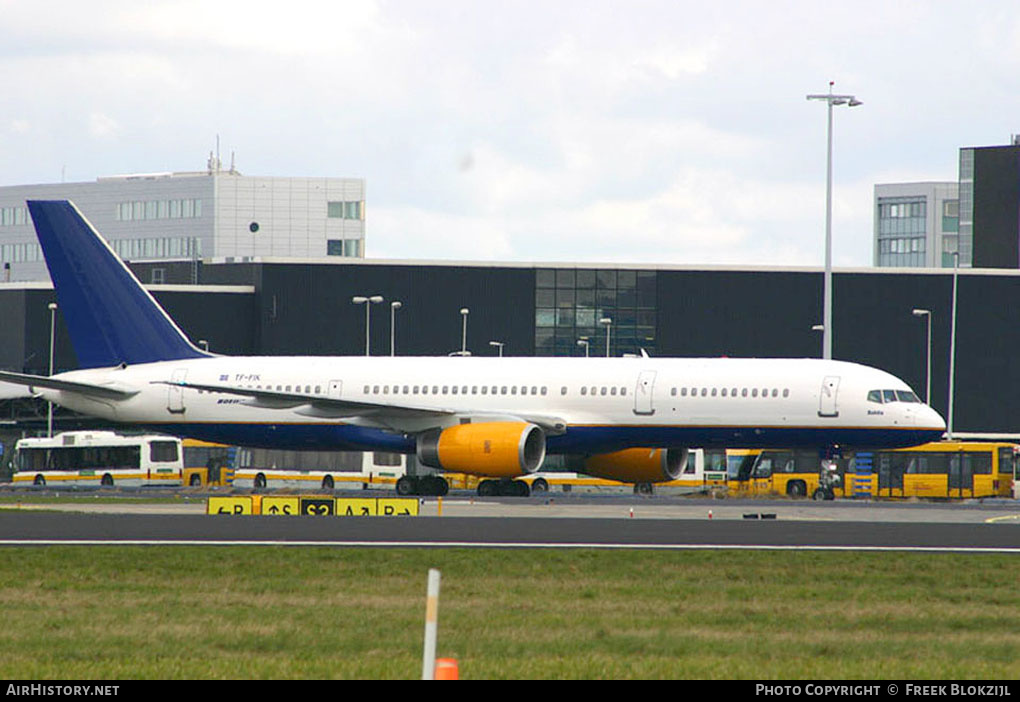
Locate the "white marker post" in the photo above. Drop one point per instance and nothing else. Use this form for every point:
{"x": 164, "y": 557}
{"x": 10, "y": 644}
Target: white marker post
{"x": 428, "y": 664}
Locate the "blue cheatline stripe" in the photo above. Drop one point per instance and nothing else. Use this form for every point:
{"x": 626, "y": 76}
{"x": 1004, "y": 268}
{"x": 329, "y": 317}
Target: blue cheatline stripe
{"x": 578, "y": 440}
{"x": 110, "y": 317}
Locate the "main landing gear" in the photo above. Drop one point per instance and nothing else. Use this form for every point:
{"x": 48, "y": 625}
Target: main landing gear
{"x": 424, "y": 486}
{"x": 503, "y": 488}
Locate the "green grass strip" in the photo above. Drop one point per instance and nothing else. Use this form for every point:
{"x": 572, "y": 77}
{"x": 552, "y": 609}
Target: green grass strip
{"x": 182, "y": 612}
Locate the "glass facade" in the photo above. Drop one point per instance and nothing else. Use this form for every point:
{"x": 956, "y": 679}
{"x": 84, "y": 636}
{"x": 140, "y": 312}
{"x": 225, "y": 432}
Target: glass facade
{"x": 965, "y": 235}
{"x": 571, "y": 302}
{"x": 902, "y": 231}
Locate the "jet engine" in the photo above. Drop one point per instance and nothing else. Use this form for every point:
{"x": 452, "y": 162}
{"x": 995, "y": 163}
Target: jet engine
{"x": 491, "y": 449}
{"x": 637, "y": 465}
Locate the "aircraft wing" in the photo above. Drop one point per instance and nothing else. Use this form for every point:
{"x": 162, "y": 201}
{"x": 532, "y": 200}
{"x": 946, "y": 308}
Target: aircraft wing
{"x": 107, "y": 391}
{"x": 387, "y": 414}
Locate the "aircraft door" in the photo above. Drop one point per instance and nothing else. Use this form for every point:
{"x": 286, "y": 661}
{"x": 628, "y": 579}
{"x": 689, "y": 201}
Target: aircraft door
{"x": 175, "y": 393}
{"x": 827, "y": 398}
{"x": 643, "y": 393}
{"x": 335, "y": 389}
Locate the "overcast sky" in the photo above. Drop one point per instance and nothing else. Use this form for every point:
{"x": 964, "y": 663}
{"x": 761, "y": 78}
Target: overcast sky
{"x": 648, "y": 132}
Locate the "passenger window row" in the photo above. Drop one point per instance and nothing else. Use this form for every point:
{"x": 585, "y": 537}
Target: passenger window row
{"x": 455, "y": 390}
{"x": 601, "y": 390}
{"x": 306, "y": 389}
{"x": 728, "y": 392}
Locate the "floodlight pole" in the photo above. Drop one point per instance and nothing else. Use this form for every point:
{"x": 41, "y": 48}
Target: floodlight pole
{"x": 367, "y": 302}
{"x": 952, "y": 345}
{"x": 394, "y": 306}
{"x": 927, "y": 387}
{"x": 608, "y": 324}
{"x": 830, "y": 100}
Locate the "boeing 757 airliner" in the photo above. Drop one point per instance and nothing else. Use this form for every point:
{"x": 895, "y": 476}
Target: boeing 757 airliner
{"x": 628, "y": 419}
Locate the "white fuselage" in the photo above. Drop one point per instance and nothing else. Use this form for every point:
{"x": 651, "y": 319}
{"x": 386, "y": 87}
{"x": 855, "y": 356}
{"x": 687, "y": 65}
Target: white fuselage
{"x": 601, "y": 404}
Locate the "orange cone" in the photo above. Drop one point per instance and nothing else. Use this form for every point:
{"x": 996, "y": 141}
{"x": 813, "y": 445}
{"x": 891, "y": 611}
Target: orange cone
{"x": 446, "y": 669}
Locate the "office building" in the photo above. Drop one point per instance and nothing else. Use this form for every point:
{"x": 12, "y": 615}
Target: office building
{"x": 219, "y": 215}
{"x": 916, "y": 225}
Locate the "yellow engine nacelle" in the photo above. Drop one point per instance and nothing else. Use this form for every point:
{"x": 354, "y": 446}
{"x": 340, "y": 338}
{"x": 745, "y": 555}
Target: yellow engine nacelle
{"x": 637, "y": 465}
{"x": 490, "y": 449}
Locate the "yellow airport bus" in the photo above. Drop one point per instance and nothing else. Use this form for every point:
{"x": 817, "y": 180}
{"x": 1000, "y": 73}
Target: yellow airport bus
{"x": 757, "y": 472}
{"x": 98, "y": 458}
{"x": 943, "y": 469}
{"x": 207, "y": 463}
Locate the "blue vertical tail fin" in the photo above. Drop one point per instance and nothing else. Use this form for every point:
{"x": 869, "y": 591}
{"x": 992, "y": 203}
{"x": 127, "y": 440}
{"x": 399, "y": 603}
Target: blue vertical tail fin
{"x": 112, "y": 319}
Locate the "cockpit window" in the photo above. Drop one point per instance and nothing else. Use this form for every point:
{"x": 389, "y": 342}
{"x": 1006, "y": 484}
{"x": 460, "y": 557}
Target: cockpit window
{"x": 883, "y": 396}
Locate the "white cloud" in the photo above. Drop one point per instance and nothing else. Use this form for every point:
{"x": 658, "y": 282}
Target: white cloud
{"x": 673, "y": 131}
{"x": 102, "y": 126}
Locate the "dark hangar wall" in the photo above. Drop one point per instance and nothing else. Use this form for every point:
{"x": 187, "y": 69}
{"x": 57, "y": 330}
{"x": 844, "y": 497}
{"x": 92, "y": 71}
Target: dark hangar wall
{"x": 307, "y": 309}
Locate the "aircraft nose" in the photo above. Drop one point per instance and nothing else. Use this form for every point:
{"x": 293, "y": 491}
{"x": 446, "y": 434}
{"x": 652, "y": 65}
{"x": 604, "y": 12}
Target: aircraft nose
{"x": 930, "y": 419}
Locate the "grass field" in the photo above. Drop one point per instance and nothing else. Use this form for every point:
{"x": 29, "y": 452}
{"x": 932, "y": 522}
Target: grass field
{"x": 175, "y": 612}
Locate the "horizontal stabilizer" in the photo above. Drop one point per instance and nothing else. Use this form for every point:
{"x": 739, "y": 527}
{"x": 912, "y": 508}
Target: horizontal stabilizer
{"x": 108, "y": 391}
{"x": 10, "y": 391}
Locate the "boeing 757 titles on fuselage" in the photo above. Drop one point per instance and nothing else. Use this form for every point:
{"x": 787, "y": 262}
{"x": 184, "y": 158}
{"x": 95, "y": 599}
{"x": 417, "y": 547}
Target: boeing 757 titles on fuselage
{"x": 627, "y": 419}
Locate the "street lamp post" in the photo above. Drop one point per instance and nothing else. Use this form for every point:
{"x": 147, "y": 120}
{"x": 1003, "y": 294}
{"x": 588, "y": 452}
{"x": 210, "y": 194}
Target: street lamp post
{"x": 952, "y": 346}
{"x": 498, "y": 345}
{"x": 394, "y": 306}
{"x": 367, "y": 302}
{"x": 464, "y": 311}
{"x": 821, "y": 328}
{"x": 608, "y": 324}
{"x": 830, "y": 100}
{"x": 927, "y": 386}
{"x": 53, "y": 327}
{"x": 584, "y": 342}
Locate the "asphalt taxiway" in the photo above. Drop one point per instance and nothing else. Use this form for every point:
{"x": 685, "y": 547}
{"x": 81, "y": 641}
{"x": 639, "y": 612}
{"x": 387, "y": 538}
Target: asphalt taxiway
{"x": 549, "y": 522}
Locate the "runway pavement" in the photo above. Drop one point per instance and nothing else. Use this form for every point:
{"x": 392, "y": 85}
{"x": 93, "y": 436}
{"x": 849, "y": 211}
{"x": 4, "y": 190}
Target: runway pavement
{"x": 545, "y": 523}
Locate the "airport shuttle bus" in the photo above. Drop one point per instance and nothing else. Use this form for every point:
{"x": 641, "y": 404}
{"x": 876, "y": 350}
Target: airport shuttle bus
{"x": 938, "y": 470}
{"x": 943, "y": 469}
{"x": 99, "y": 458}
{"x": 209, "y": 464}
{"x": 377, "y": 469}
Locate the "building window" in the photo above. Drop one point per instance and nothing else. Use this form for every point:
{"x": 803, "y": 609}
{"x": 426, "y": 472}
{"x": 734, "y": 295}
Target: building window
{"x": 345, "y": 209}
{"x": 335, "y": 247}
{"x": 569, "y": 304}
